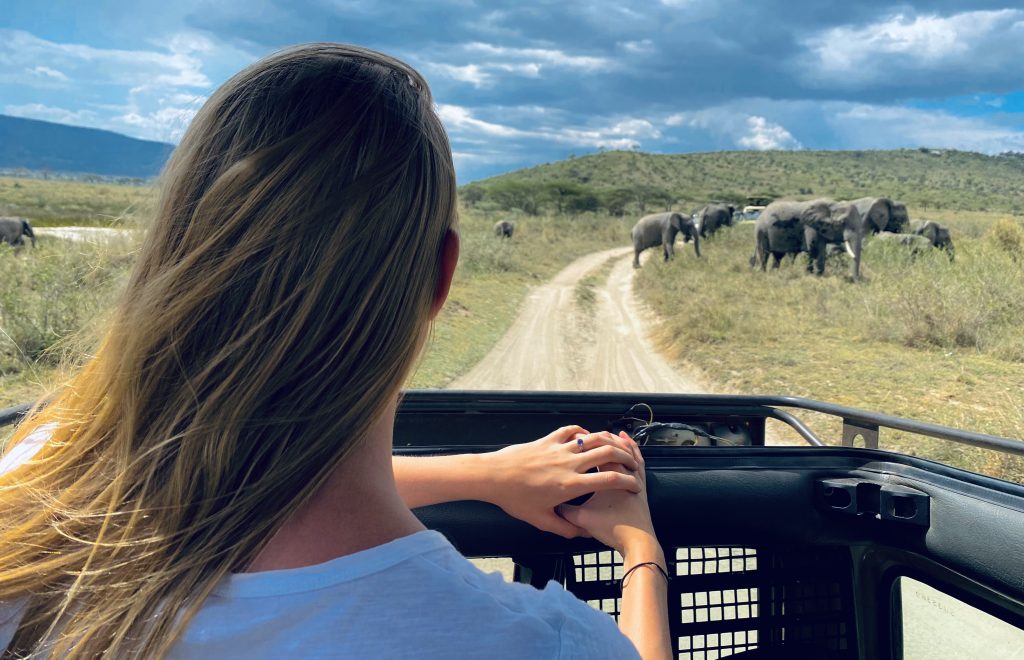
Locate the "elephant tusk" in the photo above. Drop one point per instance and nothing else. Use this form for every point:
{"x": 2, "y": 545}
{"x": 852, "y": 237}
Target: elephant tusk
{"x": 849, "y": 250}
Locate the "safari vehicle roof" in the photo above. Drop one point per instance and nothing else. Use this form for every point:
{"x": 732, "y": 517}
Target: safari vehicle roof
{"x": 773, "y": 551}
{"x": 790, "y": 550}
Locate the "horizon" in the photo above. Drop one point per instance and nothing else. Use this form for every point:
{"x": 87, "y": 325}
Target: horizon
{"x": 521, "y": 85}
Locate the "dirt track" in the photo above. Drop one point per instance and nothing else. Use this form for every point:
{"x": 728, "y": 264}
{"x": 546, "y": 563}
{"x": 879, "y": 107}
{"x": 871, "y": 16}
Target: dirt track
{"x": 554, "y": 345}
{"x": 84, "y": 234}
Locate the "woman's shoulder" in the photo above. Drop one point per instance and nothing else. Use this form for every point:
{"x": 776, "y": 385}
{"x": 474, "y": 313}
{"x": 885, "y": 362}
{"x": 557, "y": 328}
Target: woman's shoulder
{"x": 417, "y": 594}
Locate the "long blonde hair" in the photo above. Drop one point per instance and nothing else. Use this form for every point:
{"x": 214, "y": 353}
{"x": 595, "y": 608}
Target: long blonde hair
{"x": 279, "y": 300}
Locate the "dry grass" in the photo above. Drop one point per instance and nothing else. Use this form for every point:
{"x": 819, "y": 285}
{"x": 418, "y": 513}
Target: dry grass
{"x": 71, "y": 203}
{"x": 919, "y": 338}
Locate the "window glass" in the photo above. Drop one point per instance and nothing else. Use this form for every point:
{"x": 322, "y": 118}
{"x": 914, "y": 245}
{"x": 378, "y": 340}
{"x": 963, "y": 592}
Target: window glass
{"x": 936, "y": 625}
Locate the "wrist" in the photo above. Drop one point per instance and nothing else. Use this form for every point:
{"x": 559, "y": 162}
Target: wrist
{"x": 479, "y": 477}
{"x": 642, "y": 547}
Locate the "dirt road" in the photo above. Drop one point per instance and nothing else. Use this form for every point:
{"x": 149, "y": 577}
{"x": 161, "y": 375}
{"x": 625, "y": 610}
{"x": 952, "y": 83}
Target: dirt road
{"x": 555, "y": 345}
{"x": 84, "y": 234}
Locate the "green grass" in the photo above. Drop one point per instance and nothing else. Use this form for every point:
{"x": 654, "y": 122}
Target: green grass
{"x": 68, "y": 203}
{"x": 919, "y": 338}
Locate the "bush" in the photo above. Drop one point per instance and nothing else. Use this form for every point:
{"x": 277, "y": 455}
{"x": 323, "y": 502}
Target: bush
{"x": 49, "y": 294}
{"x": 1008, "y": 236}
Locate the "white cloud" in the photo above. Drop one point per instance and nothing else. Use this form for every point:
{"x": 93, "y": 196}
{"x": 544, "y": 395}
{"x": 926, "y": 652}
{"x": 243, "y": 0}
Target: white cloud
{"x": 459, "y": 118}
{"x": 622, "y": 134}
{"x": 489, "y": 61}
{"x": 51, "y": 113}
{"x": 677, "y": 119}
{"x": 47, "y": 72}
{"x": 21, "y": 51}
{"x": 849, "y": 55}
{"x": 641, "y": 46}
{"x": 638, "y": 128}
{"x": 764, "y": 135}
{"x": 147, "y": 93}
{"x": 885, "y": 127}
{"x": 842, "y": 125}
{"x": 166, "y": 124}
{"x": 470, "y": 73}
{"x": 543, "y": 56}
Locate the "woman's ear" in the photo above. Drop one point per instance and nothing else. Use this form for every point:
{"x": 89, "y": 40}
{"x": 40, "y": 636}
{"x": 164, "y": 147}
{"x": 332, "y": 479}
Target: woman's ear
{"x": 449, "y": 259}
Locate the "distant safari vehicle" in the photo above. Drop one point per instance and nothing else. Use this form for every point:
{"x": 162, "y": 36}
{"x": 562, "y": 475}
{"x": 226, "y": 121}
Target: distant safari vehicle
{"x": 752, "y": 211}
{"x": 756, "y": 204}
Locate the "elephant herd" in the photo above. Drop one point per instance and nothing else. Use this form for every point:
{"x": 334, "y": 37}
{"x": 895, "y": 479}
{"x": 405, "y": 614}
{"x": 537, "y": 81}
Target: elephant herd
{"x": 821, "y": 225}
{"x": 12, "y": 231}
{"x": 817, "y": 227}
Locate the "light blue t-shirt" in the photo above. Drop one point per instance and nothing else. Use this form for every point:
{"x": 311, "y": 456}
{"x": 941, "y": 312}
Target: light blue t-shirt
{"x": 415, "y": 597}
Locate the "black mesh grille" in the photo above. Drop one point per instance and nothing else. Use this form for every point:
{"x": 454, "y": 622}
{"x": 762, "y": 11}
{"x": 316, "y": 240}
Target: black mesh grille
{"x": 727, "y": 600}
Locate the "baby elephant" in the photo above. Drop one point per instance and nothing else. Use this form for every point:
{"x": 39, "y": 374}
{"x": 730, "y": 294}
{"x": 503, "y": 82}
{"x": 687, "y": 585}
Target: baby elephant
{"x": 937, "y": 235}
{"x": 916, "y": 244}
{"x": 504, "y": 228}
{"x": 12, "y": 230}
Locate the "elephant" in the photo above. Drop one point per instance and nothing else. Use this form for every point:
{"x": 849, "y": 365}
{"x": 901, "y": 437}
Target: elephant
{"x": 778, "y": 232}
{"x": 833, "y": 223}
{"x": 914, "y": 243}
{"x": 792, "y": 227}
{"x": 504, "y": 228}
{"x": 882, "y": 214}
{"x": 661, "y": 229}
{"x": 937, "y": 235}
{"x": 12, "y": 230}
{"x": 713, "y": 217}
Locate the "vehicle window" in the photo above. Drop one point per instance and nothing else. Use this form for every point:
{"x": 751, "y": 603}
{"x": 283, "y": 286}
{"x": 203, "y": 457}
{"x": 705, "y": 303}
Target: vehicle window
{"x": 936, "y": 625}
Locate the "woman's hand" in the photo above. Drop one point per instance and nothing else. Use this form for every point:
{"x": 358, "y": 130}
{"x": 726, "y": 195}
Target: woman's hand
{"x": 622, "y": 520}
{"x": 530, "y": 480}
{"x": 618, "y": 518}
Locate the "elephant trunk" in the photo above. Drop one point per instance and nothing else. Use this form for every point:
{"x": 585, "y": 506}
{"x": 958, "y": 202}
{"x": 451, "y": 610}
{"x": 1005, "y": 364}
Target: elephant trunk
{"x": 27, "y": 230}
{"x": 696, "y": 243}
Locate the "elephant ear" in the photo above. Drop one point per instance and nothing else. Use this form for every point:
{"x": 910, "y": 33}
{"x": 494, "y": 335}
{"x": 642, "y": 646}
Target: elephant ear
{"x": 898, "y": 218}
{"x": 818, "y": 216}
{"x": 877, "y": 218}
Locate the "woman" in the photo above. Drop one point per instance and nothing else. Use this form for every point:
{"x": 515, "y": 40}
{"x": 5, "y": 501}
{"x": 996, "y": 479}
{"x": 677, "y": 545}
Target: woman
{"x": 217, "y": 479}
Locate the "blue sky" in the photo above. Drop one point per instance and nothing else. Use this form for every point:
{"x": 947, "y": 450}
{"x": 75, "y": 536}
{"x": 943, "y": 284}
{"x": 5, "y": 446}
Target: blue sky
{"x": 522, "y": 83}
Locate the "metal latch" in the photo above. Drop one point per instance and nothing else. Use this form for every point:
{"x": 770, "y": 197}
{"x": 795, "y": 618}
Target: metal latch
{"x": 873, "y": 499}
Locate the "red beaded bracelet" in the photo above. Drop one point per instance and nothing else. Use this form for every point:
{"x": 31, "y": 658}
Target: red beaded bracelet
{"x": 622, "y": 582}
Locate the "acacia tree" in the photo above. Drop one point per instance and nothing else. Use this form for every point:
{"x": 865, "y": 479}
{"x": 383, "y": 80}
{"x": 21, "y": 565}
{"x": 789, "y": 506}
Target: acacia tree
{"x": 616, "y": 199}
{"x": 471, "y": 194}
{"x": 516, "y": 194}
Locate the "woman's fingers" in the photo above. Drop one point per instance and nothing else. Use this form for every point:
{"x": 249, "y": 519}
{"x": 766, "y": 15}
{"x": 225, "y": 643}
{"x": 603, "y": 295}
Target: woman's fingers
{"x": 594, "y": 482}
{"x": 567, "y": 433}
{"x": 607, "y": 454}
{"x": 595, "y": 440}
{"x": 550, "y": 521}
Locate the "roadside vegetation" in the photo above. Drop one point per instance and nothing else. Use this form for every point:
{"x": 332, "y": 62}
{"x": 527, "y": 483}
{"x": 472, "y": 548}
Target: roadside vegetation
{"x": 53, "y": 203}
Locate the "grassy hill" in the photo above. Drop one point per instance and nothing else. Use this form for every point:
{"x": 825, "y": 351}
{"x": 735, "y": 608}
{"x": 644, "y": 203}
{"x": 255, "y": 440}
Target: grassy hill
{"x": 936, "y": 179}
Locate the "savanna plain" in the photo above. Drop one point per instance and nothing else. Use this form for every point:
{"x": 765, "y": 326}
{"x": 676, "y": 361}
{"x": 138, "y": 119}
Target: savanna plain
{"x": 923, "y": 337}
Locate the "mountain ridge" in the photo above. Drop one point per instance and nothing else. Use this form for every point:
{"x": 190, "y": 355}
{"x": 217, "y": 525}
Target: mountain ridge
{"x": 34, "y": 144}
